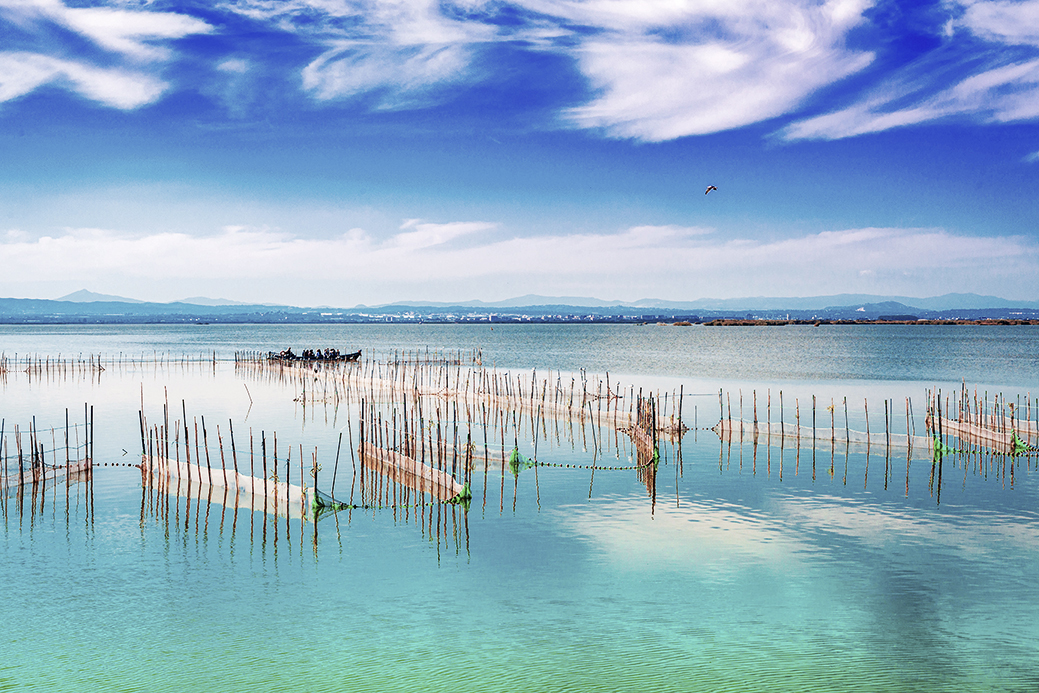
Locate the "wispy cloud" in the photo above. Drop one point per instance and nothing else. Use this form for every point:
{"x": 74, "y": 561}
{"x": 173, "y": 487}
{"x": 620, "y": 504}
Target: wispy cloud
{"x": 129, "y": 32}
{"x": 1002, "y": 94}
{"x": 396, "y": 48}
{"x": 132, "y": 37}
{"x": 21, "y": 73}
{"x": 730, "y": 65}
{"x": 658, "y": 70}
{"x": 653, "y": 70}
{"x": 441, "y": 260}
{"x": 1002, "y": 22}
{"x": 416, "y": 234}
{"x": 349, "y": 69}
{"x": 994, "y": 80}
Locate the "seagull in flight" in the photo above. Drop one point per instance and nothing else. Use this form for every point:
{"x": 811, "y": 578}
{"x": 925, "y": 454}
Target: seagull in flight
{"x": 709, "y": 189}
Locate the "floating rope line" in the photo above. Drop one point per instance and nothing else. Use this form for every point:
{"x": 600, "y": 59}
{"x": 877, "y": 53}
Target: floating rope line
{"x": 463, "y": 503}
{"x": 518, "y": 463}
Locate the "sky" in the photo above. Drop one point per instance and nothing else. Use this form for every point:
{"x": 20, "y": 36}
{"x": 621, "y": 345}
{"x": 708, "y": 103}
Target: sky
{"x": 340, "y": 152}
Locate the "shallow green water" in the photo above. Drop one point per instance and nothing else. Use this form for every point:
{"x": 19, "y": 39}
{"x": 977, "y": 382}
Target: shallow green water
{"x": 744, "y": 571}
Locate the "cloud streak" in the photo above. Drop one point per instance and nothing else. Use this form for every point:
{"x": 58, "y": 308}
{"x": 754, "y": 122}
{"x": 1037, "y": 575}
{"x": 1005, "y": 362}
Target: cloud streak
{"x": 21, "y": 73}
{"x": 399, "y": 50}
{"x": 129, "y": 36}
{"x": 994, "y": 82}
{"x": 658, "y": 70}
{"x": 654, "y": 70}
{"x": 436, "y": 260}
{"x": 732, "y": 65}
{"x": 1000, "y": 95}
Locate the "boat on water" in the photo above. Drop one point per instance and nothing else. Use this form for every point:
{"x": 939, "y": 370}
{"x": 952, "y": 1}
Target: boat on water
{"x": 314, "y": 355}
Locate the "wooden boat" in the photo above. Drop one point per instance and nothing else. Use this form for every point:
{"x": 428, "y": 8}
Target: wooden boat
{"x": 288, "y": 356}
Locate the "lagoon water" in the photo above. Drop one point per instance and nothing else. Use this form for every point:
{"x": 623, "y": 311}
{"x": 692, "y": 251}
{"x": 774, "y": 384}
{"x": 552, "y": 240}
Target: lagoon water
{"x": 742, "y": 568}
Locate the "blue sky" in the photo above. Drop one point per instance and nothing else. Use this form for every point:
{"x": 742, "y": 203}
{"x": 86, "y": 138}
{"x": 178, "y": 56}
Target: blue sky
{"x": 337, "y": 152}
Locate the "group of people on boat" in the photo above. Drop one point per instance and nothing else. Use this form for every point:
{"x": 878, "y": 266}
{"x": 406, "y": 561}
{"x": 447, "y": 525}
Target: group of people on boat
{"x": 314, "y": 355}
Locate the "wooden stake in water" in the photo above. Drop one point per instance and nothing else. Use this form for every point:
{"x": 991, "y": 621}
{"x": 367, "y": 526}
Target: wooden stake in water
{"x": 865, "y": 406}
{"x": 335, "y": 467}
{"x": 234, "y": 453}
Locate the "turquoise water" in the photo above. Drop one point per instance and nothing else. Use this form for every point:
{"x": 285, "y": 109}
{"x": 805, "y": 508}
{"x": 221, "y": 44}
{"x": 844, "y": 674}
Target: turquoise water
{"x": 747, "y": 569}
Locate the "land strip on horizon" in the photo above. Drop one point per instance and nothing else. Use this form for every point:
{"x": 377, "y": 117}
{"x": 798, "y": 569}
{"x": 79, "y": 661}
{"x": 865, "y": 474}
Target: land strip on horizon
{"x": 86, "y": 308}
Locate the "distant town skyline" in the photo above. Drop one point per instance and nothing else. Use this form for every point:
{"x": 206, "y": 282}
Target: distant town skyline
{"x": 335, "y": 152}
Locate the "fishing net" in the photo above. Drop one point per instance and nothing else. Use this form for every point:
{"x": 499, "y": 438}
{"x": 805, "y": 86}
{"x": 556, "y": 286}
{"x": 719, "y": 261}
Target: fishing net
{"x": 517, "y": 462}
{"x": 416, "y": 475}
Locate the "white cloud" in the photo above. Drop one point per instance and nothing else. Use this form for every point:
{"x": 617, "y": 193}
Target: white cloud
{"x": 664, "y": 69}
{"x": 652, "y": 90}
{"x": 1003, "y": 22}
{"x": 998, "y": 87}
{"x": 113, "y": 28}
{"x": 400, "y": 47}
{"x": 656, "y": 69}
{"x": 1003, "y": 94}
{"x": 233, "y": 66}
{"x": 129, "y": 33}
{"x": 16, "y": 236}
{"x": 661, "y": 235}
{"x": 441, "y": 260}
{"x": 660, "y": 69}
{"x": 21, "y": 73}
{"x": 350, "y": 69}
{"x": 428, "y": 235}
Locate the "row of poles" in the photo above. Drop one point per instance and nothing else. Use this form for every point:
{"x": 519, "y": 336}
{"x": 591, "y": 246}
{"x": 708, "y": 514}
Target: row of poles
{"x": 979, "y": 459}
{"x": 417, "y": 467}
{"x": 555, "y": 395}
{"x": 164, "y": 445}
{"x": 479, "y": 405}
{"x": 491, "y": 401}
{"x": 815, "y": 420}
{"x": 41, "y": 458}
{"x": 93, "y": 366}
{"x": 42, "y": 363}
{"x": 201, "y": 510}
{"x": 1001, "y": 415}
{"x": 725, "y": 458}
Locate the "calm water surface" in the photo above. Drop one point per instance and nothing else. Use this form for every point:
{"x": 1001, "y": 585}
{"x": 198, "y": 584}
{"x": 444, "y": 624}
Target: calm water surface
{"x": 740, "y": 568}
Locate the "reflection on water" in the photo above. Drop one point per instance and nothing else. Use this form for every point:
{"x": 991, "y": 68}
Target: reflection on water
{"x": 230, "y": 517}
{"x": 711, "y": 564}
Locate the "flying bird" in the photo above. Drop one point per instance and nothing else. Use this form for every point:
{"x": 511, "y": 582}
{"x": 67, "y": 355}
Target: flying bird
{"x": 709, "y": 189}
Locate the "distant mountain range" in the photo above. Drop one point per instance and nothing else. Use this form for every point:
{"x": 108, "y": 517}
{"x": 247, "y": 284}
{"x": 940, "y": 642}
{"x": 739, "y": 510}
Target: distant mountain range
{"x": 945, "y": 302}
{"x": 88, "y": 307}
{"x": 84, "y": 296}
